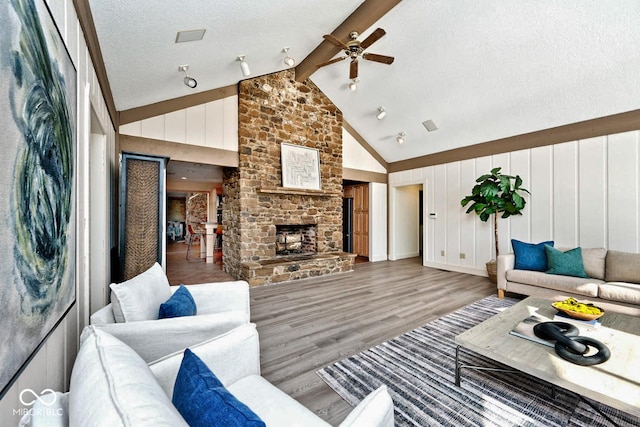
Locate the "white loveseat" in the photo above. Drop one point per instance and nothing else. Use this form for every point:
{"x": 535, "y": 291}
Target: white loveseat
{"x": 111, "y": 385}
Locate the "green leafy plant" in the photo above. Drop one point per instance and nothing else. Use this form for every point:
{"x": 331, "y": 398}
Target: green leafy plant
{"x": 493, "y": 194}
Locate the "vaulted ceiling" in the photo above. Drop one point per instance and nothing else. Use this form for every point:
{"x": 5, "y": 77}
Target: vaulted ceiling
{"x": 481, "y": 71}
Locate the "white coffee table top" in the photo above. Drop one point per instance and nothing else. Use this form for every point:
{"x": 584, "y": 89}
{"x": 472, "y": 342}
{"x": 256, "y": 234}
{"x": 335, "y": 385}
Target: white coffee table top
{"x": 615, "y": 382}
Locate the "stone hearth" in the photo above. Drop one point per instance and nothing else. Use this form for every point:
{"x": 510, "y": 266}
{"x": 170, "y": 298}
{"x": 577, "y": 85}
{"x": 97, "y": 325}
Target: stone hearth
{"x": 272, "y": 110}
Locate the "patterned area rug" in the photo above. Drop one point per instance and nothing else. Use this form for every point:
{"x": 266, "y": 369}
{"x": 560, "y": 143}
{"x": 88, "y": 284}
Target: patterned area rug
{"x": 418, "y": 368}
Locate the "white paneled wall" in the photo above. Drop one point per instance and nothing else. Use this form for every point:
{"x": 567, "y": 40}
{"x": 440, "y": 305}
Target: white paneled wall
{"x": 214, "y": 125}
{"x": 51, "y": 365}
{"x": 377, "y": 221}
{"x": 583, "y": 193}
{"x": 354, "y": 156}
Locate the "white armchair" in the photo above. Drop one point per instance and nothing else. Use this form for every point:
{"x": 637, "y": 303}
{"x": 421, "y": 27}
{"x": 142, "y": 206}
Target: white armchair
{"x": 102, "y": 392}
{"x": 235, "y": 359}
{"x": 221, "y": 307}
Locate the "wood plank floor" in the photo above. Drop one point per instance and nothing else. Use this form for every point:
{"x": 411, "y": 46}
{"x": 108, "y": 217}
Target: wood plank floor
{"x": 307, "y": 324}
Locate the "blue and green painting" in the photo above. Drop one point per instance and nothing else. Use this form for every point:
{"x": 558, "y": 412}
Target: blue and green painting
{"x": 37, "y": 190}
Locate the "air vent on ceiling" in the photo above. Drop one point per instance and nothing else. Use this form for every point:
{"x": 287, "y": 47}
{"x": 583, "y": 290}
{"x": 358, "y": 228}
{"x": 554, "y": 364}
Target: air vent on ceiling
{"x": 189, "y": 36}
{"x": 430, "y": 125}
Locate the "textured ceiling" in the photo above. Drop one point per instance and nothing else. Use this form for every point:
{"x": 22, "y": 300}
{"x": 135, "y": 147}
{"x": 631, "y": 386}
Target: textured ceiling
{"x": 480, "y": 70}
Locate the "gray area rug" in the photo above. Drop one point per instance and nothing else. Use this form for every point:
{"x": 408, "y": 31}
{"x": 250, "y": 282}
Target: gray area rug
{"x": 418, "y": 369}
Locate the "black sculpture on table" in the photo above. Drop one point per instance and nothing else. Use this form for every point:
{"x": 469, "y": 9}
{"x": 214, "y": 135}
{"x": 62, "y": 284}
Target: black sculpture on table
{"x": 570, "y": 345}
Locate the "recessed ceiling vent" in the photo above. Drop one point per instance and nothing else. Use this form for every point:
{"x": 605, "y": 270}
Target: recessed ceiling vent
{"x": 189, "y": 36}
{"x": 430, "y": 125}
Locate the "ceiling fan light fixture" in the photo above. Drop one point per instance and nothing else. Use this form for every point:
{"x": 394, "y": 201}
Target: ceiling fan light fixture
{"x": 381, "y": 113}
{"x": 400, "y": 139}
{"x": 353, "y": 85}
{"x": 288, "y": 61}
{"x": 244, "y": 67}
{"x": 187, "y": 80}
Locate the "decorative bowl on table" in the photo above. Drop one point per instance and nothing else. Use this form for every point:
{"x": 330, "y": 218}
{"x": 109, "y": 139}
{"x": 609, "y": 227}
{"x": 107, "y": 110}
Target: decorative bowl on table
{"x": 578, "y": 310}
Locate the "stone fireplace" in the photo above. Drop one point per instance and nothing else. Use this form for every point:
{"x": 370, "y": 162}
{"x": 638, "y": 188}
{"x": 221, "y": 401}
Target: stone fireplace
{"x": 264, "y": 222}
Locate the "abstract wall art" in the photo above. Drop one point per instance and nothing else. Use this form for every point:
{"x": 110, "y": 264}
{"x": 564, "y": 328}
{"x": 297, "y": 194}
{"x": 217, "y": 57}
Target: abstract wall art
{"x": 37, "y": 182}
{"x": 300, "y": 167}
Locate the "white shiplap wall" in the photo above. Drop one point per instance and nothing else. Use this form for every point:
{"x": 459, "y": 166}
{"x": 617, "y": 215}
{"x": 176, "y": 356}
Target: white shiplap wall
{"x": 214, "y": 125}
{"x": 583, "y": 193}
{"x": 51, "y": 366}
{"x": 354, "y": 155}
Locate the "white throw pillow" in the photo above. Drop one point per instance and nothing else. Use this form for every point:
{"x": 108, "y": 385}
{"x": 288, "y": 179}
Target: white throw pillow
{"x": 112, "y": 386}
{"x": 140, "y": 298}
{"x": 375, "y": 410}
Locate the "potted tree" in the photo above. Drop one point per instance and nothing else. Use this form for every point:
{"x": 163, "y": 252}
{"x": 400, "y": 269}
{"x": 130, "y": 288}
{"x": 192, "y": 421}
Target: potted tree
{"x": 493, "y": 194}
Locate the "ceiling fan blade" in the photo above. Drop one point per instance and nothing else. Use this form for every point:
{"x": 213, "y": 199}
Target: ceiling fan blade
{"x": 378, "y": 58}
{"x": 333, "y": 61}
{"x": 353, "y": 70}
{"x": 373, "y": 37}
{"x": 331, "y": 39}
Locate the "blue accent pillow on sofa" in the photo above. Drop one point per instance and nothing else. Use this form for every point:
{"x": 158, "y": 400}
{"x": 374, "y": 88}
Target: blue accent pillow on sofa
{"x": 530, "y": 256}
{"x": 567, "y": 263}
{"x": 202, "y": 400}
{"x": 180, "y": 304}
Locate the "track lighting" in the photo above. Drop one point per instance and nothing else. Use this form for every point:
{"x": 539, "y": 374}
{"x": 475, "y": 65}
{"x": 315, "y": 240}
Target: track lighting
{"x": 353, "y": 85}
{"x": 400, "y": 137}
{"x": 381, "y": 113}
{"x": 188, "y": 81}
{"x": 288, "y": 61}
{"x": 244, "y": 67}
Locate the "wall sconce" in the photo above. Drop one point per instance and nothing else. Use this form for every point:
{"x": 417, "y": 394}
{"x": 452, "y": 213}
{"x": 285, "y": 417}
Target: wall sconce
{"x": 188, "y": 81}
{"x": 400, "y": 138}
{"x": 288, "y": 61}
{"x": 381, "y": 113}
{"x": 353, "y": 85}
{"x": 244, "y": 67}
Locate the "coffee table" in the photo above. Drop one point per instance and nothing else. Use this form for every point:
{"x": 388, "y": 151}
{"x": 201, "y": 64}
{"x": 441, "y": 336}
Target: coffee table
{"x": 615, "y": 382}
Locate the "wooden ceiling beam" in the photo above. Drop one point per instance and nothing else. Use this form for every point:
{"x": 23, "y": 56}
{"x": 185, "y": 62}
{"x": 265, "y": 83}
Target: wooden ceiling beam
{"x": 175, "y": 104}
{"x": 367, "y": 14}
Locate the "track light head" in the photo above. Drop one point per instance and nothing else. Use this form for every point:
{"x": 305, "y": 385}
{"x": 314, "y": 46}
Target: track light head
{"x": 188, "y": 81}
{"x": 381, "y": 113}
{"x": 400, "y": 138}
{"x": 353, "y": 85}
{"x": 288, "y": 61}
{"x": 244, "y": 67}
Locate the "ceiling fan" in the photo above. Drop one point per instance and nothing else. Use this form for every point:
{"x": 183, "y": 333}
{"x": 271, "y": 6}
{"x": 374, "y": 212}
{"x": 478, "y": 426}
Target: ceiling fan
{"x": 355, "y": 49}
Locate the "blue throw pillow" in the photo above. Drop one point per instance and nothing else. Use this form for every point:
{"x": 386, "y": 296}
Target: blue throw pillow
{"x": 203, "y": 401}
{"x": 180, "y": 304}
{"x": 567, "y": 263}
{"x": 530, "y": 256}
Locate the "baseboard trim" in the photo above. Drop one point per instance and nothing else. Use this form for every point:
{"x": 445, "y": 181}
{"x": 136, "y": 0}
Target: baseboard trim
{"x": 458, "y": 268}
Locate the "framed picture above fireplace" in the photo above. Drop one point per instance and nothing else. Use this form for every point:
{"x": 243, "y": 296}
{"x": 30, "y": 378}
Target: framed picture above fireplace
{"x": 300, "y": 167}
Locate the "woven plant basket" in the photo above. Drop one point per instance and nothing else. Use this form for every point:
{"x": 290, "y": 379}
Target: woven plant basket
{"x": 492, "y": 270}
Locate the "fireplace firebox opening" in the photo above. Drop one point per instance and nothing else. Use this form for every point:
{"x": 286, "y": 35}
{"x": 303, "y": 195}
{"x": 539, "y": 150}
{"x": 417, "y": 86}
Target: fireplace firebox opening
{"x": 296, "y": 239}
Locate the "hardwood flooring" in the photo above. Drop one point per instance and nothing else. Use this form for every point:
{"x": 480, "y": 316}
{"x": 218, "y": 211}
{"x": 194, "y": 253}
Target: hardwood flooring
{"x": 307, "y": 324}
{"x": 195, "y": 271}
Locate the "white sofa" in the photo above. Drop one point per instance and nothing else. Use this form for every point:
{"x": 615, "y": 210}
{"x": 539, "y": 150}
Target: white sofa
{"x": 220, "y": 307}
{"x": 112, "y": 386}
